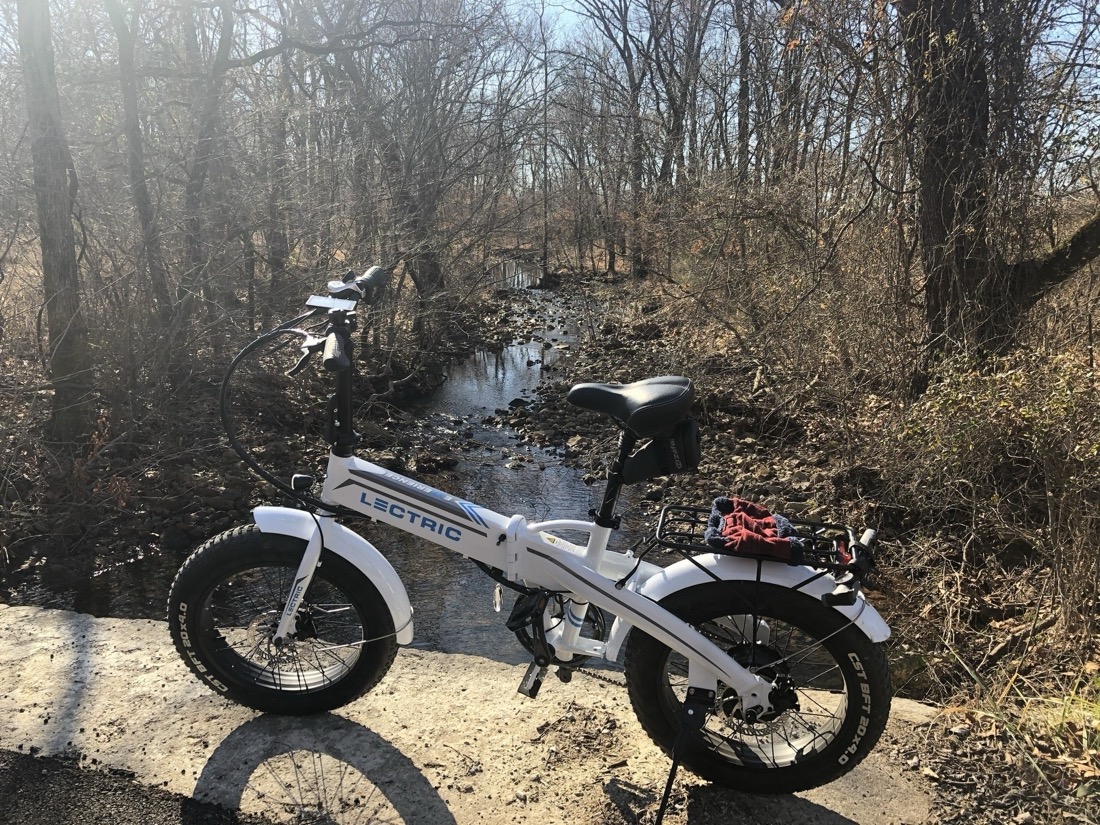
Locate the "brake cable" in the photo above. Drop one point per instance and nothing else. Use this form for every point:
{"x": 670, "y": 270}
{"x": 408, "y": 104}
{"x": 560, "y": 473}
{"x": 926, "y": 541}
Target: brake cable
{"x": 299, "y": 496}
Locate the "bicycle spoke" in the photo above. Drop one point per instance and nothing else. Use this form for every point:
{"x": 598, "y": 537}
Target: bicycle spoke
{"x": 245, "y": 609}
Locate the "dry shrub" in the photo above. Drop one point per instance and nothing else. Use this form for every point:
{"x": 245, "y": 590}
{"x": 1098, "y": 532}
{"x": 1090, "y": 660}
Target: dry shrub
{"x": 1009, "y": 454}
{"x": 807, "y": 286}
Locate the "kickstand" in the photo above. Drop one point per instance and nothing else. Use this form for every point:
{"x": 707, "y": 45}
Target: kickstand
{"x": 694, "y": 715}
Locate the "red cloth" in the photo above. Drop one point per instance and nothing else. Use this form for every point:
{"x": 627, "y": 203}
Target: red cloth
{"x": 749, "y": 528}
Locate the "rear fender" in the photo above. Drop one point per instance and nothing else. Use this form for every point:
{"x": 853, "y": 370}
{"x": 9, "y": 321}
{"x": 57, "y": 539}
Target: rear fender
{"x": 353, "y": 548}
{"x": 704, "y": 568}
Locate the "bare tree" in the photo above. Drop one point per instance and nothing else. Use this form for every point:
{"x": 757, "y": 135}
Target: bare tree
{"x": 632, "y": 44}
{"x": 55, "y": 187}
{"x": 974, "y": 298}
{"x": 152, "y": 249}
{"x": 209, "y": 84}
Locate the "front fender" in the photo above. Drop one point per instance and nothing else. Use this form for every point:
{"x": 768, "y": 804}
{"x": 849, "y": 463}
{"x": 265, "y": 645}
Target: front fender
{"x": 704, "y": 568}
{"x": 350, "y": 546}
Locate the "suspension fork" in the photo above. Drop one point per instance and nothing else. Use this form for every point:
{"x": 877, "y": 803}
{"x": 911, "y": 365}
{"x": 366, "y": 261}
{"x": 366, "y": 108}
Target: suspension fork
{"x": 288, "y": 621}
{"x": 343, "y": 438}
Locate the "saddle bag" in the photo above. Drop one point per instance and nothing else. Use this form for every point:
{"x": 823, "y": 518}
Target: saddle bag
{"x": 677, "y": 452}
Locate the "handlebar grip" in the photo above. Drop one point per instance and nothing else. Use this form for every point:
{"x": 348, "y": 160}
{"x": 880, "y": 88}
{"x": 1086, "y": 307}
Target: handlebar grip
{"x": 371, "y": 283}
{"x": 335, "y": 359}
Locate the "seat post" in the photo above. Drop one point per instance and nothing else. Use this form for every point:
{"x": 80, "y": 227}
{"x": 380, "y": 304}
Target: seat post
{"x": 605, "y": 516}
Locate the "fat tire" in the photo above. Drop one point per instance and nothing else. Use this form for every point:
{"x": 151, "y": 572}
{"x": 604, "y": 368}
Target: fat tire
{"x": 862, "y": 665}
{"x": 209, "y": 655}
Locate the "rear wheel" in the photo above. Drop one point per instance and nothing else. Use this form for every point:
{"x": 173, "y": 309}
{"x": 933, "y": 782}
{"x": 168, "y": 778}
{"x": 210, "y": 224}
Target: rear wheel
{"x": 830, "y": 700}
{"x": 225, "y": 606}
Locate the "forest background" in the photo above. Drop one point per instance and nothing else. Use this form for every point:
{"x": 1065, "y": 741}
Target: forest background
{"x": 874, "y": 221}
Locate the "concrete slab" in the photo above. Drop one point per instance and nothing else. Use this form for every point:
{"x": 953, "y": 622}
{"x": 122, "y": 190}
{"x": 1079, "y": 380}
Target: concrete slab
{"x": 444, "y": 739}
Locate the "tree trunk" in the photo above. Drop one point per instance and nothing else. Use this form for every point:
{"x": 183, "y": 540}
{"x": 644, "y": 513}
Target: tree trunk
{"x": 135, "y": 156}
{"x": 744, "y": 68}
{"x": 278, "y": 169}
{"x": 202, "y": 151}
{"x": 55, "y": 188}
{"x": 975, "y": 301}
{"x": 950, "y": 93}
{"x": 1032, "y": 279}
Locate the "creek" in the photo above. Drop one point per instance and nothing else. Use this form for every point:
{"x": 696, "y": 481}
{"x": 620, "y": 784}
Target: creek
{"x": 452, "y": 598}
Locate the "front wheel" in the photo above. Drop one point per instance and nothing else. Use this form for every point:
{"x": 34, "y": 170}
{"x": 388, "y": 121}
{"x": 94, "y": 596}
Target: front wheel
{"x": 829, "y": 705}
{"x": 225, "y": 606}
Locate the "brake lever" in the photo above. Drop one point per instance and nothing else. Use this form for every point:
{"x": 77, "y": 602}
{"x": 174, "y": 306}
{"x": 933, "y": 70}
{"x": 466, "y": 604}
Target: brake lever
{"x": 311, "y": 345}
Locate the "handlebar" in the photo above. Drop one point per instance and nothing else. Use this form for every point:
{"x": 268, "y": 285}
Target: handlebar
{"x": 338, "y": 303}
{"x": 343, "y": 295}
{"x": 353, "y": 289}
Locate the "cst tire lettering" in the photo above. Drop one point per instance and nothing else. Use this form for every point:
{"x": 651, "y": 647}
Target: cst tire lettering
{"x": 864, "y": 719}
{"x": 185, "y": 639}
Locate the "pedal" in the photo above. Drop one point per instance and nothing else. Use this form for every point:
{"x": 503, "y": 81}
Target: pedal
{"x": 532, "y": 680}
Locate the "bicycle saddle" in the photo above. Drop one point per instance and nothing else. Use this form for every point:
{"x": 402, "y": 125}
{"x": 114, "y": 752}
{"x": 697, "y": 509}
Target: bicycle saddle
{"x": 648, "y": 408}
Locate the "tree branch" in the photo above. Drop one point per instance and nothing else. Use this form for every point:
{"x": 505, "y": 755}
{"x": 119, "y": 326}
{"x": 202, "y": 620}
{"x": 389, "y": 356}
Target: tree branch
{"x": 1032, "y": 279}
{"x": 338, "y": 43}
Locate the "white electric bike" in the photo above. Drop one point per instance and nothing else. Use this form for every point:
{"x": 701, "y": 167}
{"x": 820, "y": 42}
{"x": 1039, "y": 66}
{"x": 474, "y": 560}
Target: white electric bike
{"x": 755, "y": 674}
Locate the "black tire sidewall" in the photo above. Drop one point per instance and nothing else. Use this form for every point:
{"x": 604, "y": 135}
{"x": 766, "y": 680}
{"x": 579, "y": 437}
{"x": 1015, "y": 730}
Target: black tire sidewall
{"x": 241, "y": 549}
{"x": 861, "y": 661}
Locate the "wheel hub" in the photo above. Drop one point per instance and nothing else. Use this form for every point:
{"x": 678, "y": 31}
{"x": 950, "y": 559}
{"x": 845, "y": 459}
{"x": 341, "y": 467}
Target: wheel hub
{"x": 262, "y": 641}
{"x": 768, "y": 664}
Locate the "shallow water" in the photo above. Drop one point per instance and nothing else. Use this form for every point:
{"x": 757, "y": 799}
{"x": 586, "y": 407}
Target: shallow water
{"x": 452, "y": 598}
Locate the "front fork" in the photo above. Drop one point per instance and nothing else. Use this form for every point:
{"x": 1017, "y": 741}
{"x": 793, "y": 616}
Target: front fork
{"x": 288, "y": 621}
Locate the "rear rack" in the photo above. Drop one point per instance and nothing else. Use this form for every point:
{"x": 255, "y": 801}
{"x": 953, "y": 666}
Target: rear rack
{"x": 831, "y": 547}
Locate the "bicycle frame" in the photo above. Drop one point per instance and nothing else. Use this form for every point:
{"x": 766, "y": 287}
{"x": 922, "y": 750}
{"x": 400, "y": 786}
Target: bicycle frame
{"x": 531, "y": 554}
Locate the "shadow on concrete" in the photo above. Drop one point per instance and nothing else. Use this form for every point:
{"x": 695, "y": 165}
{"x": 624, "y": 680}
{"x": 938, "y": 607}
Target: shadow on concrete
{"x": 708, "y": 803}
{"x": 321, "y": 768}
{"x": 705, "y": 800}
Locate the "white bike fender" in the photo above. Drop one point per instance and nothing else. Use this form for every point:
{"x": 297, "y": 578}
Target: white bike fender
{"x": 732, "y": 568}
{"x": 354, "y": 549}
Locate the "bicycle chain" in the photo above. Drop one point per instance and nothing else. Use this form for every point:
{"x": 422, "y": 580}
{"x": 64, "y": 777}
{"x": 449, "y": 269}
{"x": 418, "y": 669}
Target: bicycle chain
{"x": 600, "y": 677}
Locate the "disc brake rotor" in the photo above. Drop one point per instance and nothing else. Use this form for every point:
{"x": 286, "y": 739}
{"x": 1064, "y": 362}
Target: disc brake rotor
{"x": 261, "y": 638}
